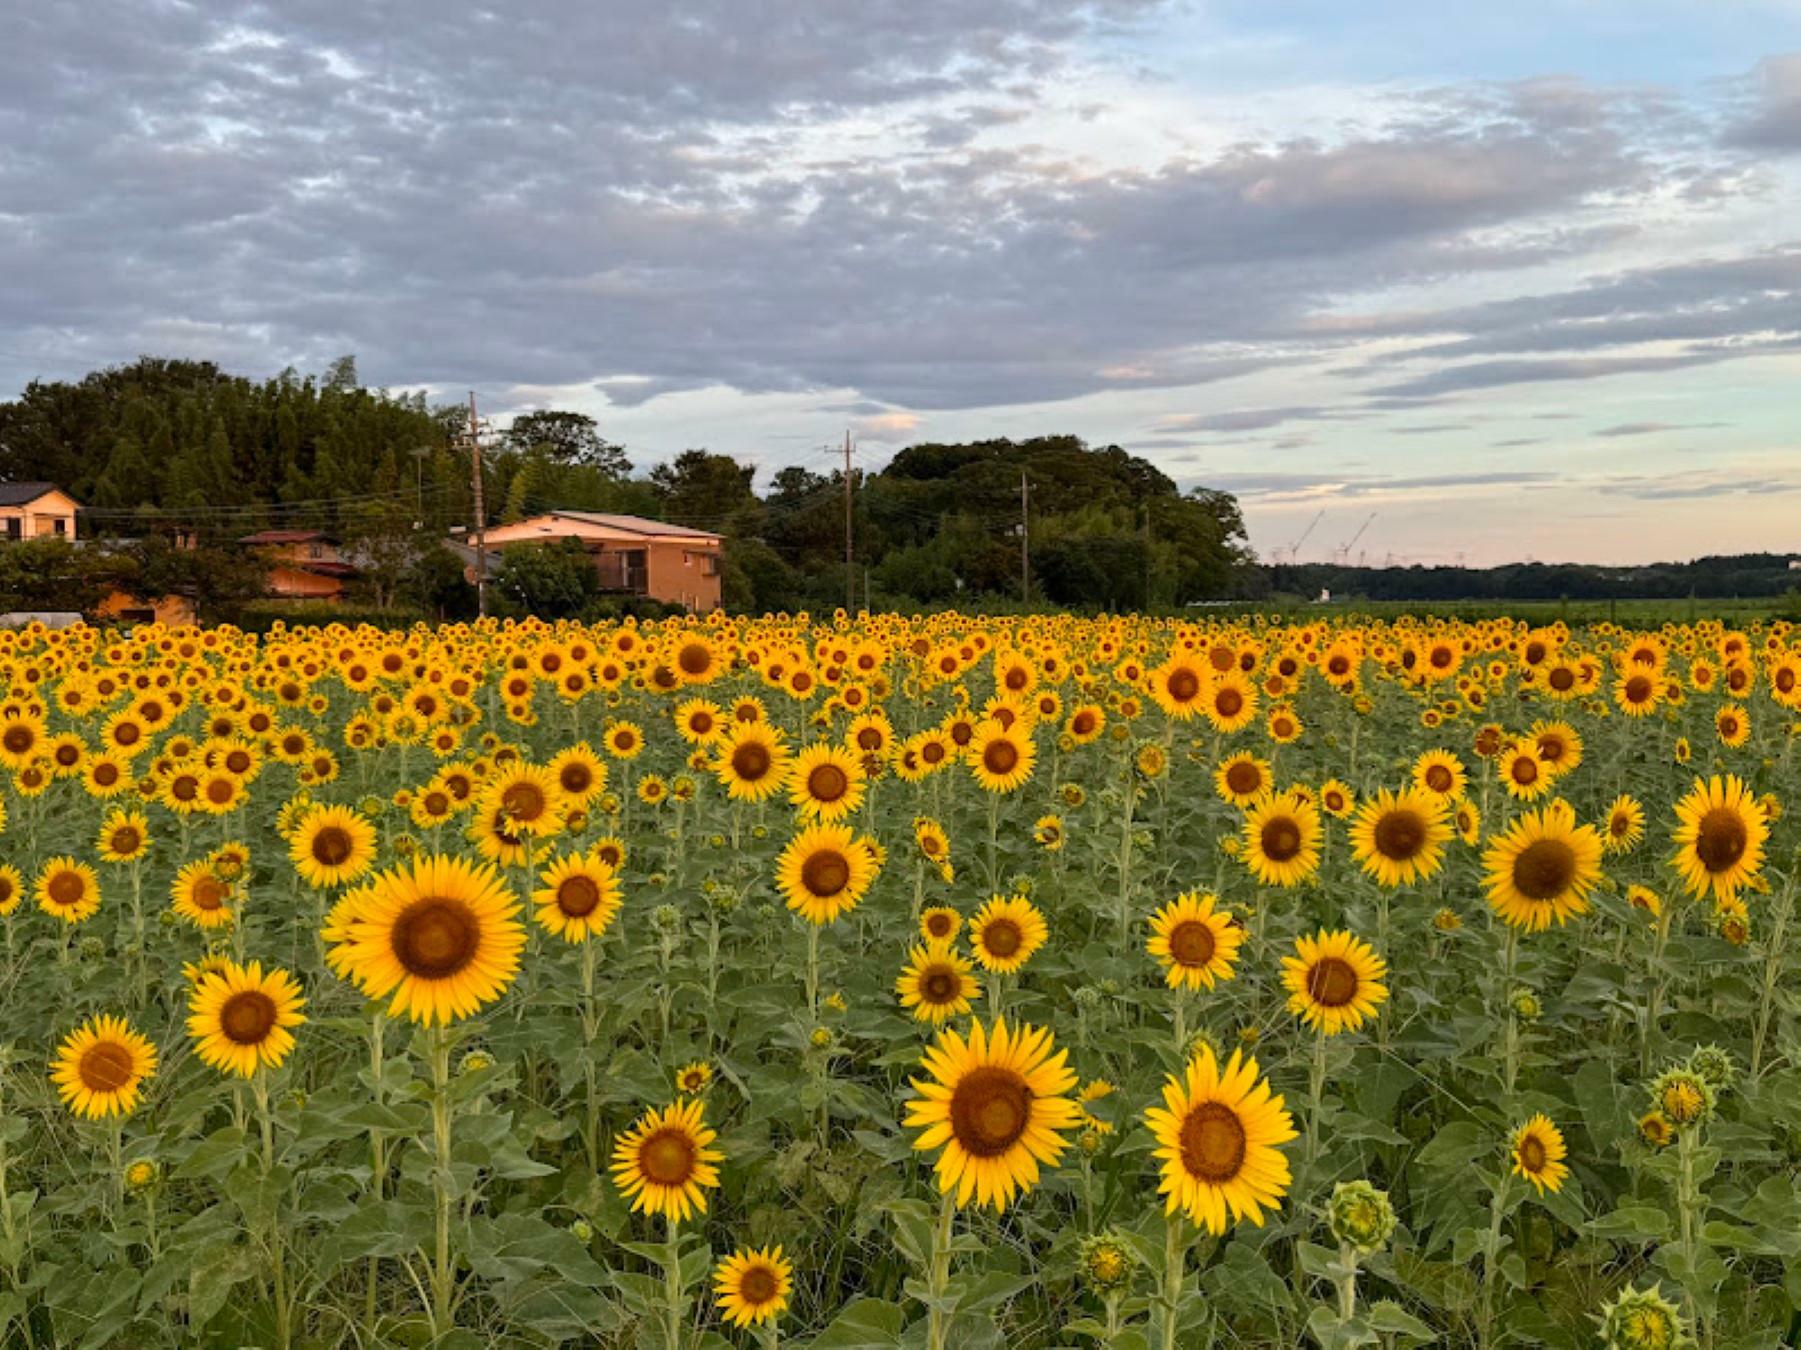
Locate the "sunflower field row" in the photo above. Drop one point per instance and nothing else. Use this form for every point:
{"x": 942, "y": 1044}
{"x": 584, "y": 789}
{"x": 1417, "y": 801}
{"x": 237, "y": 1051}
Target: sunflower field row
{"x": 875, "y": 981}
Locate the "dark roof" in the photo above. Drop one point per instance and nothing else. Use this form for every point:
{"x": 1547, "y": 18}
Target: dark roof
{"x": 282, "y": 537}
{"x": 637, "y": 524}
{"x": 24, "y": 494}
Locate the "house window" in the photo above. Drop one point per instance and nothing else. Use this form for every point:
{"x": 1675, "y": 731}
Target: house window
{"x": 712, "y": 567}
{"x": 62, "y": 526}
{"x": 15, "y": 527}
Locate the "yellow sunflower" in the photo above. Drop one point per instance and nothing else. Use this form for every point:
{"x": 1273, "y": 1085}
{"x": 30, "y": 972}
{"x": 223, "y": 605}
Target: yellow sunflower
{"x": 1542, "y": 868}
{"x": 1179, "y": 687}
{"x": 753, "y": 762}
{"x": 994, "y": 1107}
{"x": 1537, "y": 1152}
{"x": 1625, "y": 825}
{"x": 692, "y": 1078}
{"x": 1195, "y": 942}
{"x": 440, "y": 935}
{"x": 826, "y": 782}
{"x": 1005, "y": 932}
{"x": 578, "y": 898}
{"x": 752, "y": 1287}
{"x": 124, "y": 837}
{"x": 1719, "y": 836}
{"x": 1002, "y": 757}
{"x": 1400, "y": 837}
{"x": 1522, "y": 772}
{"x": 940, "y": 923}
{"x": 937, "y": 983}
{"x": 623, "y": 740}
{"x": 824, "y": 871}
{"x": 12, "y": 889}
{"x": 1334, "y": 981}
{"x": 665, "y": 1164}
{"x": 68, "y": 889}
{"x": 1281, "y": 839}
{"x": 201, "y": 895}
{"x": 101, "y": 1066}
{"x": 1441, "y": 773}
{"x": 242, "y": 1018}
{"x": 1219, "y": 1135}
{"x": 1230, "y": 703}
{"x": 1242, "y": 778}
{"x": 527, "y": 796}
{"x": 332, "y": 845}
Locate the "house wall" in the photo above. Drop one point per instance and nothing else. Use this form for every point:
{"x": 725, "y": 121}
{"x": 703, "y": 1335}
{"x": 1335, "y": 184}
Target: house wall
{"x": 172, "y": 611}
{"x": 678, "y": 573}
{"x": 39, "y": 519}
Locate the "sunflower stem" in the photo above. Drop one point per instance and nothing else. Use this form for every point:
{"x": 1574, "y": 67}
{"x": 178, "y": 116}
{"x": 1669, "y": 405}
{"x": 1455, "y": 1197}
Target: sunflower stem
{"x": 672, "y": 1285}
{"x": 1772, "y": 973}
{"x": 259, "y": 1085}
{"x": 1175, "y": 1262}
{"x": 1492, "y": 1256}
{"x": 378, "y": 1162}
{"x": 1654, "y": 1001}
{"x": 936, "y": 1323}
{"x": 1316, "y": 1092}
{"x": 813, "y": 971}
{"x": 442, "y": 1274}
{"x": 1347, "y": 1283}
{"x": 1511, "y": 1048}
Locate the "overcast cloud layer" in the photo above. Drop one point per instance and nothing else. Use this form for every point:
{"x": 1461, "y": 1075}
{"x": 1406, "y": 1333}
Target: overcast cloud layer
{"x": 1518, "y": 305}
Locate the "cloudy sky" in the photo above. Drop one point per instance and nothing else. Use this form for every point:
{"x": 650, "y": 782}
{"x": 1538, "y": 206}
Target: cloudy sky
{"x": 1522, "y": 280}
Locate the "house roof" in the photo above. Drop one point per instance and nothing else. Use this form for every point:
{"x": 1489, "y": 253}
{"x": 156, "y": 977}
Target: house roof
{"x": 24, "y": 494}
{"x": 637, "y": 525}
{"x": 282, "y": 537}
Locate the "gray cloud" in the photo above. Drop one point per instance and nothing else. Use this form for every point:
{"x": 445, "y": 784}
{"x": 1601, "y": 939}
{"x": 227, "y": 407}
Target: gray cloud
{"x": 640, "y": 200}
{"x": 1771, "y": 116}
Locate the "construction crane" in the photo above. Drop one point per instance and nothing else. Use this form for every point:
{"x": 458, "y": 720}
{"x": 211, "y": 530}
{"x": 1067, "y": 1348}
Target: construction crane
{"x": 1345, "y": 548}
{"x": 1295, "y": 547}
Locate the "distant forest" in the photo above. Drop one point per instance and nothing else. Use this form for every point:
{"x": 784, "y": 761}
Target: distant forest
{"x": 161, "y": 447}
{"x": 1723, "y": 577}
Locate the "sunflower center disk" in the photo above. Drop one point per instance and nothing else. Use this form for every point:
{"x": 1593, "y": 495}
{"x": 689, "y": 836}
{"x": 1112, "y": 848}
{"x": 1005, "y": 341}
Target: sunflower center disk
{"x": 1228, "y": 703}
{"x": 1192, "y": 943}
{"x": 1721, "y": 840}
{"x": 105, "y": 1068}
{"x": 1332, "y": 983}
{"x": 575, "y": 778}
{"x": 332, "y": 846}
{"x": 1002, "y": 937}
{"x": 1244, "y": 779}
{"x": 825, "y": 873}
{"x": 1000, "y": 757}
{"x": 1183, "y": 686}
{"x": 578, "y": 897}
{"x": 1544, "y": 869}
{"x": 1400, "y": 835}
{"x": 523, "y": 802}
{"x": 1212, "y": 1142}
{"x": 667, "y": 1158}
{"x": 209, "y": 893}
{"x": 1438, "y": 778}
{"x": 1281, "y": 839}
{"x": 757, "y": 1285}
{"x": 247, "y": 1018}
{"x": 66, "y": 888}
{"x": 939, "y": 985}
{"x": 435, "y": 938}
{"x": 1532, "y": 1153}
{"x": 750, "y": 761}
{"x": 827, "y": 783}
{"x": 990, "y": 1110}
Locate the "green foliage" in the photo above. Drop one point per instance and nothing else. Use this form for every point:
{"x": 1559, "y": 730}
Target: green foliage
{"x": 555, "y": 579}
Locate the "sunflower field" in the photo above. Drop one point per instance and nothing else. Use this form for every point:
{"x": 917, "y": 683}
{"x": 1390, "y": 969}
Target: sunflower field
{"x": 883, "y": 981}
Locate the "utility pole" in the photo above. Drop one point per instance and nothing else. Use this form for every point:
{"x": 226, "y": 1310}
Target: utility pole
{"x": 850, "y": 576}
{"x": 481, "y": 511}
{"x": 1147, "y": 555}
{"x": 1025, "y": 541}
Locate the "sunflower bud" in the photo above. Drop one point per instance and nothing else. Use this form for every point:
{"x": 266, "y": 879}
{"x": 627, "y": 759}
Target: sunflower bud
{"x": 1105, "y": 1262}
{"x": 1643, "y": 1319}
{"x": 1714, "y": 1065}
{"x": 1447, "y": 920}
{"x": 1683, "y": 1095}
{"x": 582, "y": 1231}
{"x": 822, "y": 1038}
{"x": 1360, "y": 1216}
{"x": 1655, "y": 1129}
{"x": 1525, "y": 1005}
{"x": 476, "y": 1061}
{"x": 141, "y": 1175}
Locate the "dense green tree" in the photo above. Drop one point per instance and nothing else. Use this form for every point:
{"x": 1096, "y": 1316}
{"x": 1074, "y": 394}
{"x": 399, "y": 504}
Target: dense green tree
{"x": 556, "y": 579}
{"x": 568, "y": 438}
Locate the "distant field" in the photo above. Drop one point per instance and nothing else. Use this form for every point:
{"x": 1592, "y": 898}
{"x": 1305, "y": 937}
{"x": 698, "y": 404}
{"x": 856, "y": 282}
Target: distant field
{"x": 1637, "y": 613}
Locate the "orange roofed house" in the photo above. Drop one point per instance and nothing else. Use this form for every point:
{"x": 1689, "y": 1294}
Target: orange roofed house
{"x": 634, "y": 556}
{"x": 303, "y": 564}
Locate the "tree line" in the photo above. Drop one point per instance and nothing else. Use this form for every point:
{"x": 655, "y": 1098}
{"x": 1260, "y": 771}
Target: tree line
{"x": 164, "y": 450}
